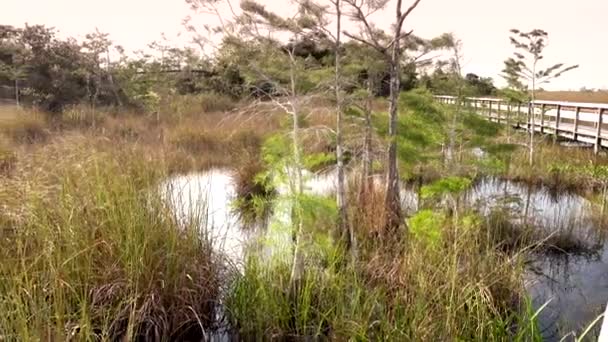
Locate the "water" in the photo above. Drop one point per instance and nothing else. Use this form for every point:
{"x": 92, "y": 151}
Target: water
{"x": 207, "y": 199}
{"x": 575, "y": 285}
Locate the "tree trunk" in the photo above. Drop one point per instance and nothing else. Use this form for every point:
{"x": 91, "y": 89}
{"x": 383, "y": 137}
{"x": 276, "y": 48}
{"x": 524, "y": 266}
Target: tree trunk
{"x": 345, "y": 231}
{"x": 297, "y": 270}
{"x": 532, "y": 114}
{"x": 452, "y": 137}
{"x": 366, "y": 173}
{"x": 393, "y": 215}
{"x": 17, "y": 92}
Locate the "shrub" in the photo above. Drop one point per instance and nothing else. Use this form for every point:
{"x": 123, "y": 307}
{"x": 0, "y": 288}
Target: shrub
{"x": 426, "y": 226}
{"x": 254, "y": 191}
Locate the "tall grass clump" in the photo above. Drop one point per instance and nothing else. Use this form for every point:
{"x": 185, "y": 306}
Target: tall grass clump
{"x": 8, "y": 158}
{"x": 254, "y": 191}
{"x": 180, "y": 106}
{"x": 215, "y": 145}
{"x": 93, "y": 253}
{"x": 452, "y": 283}
{"x": 24, "y": 127}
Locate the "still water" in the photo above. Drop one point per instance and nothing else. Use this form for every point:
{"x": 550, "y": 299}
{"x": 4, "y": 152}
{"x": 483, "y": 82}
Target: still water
{"x": 575, "y": 286}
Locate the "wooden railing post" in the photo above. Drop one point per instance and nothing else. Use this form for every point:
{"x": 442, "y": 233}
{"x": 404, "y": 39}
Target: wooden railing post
{"x": 490, "y": 110}
{"x": 530, "y": 113}
{"x": 557, "y": 119}
{"x": 598, "y": 135}
{"x": 542, "y": 118}
{"x": 498, "y": 111}
{"x": 576, "y": 116}
{"x": 518, "y": 114}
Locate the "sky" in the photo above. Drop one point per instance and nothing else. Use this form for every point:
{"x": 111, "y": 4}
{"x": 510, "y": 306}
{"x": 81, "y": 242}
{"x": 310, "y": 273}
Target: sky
{"x": 577, "y": 29}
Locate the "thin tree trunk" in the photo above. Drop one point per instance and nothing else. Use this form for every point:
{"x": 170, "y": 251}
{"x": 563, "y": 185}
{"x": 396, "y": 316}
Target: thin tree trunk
{"x": 17, "y": 92}
{"x": 298, "y": 258}
{"x": 452, "y": 143}
{"x": 532, "y": 114}
{"x": 393, "y": 215}
{"x": 366, "y": 174}
{"x": 456, "y": 48}
{"x": 345, "y": 231}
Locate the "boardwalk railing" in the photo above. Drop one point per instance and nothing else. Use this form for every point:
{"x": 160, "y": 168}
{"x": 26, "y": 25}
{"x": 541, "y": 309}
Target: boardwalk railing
{"x": 582, "y": 122}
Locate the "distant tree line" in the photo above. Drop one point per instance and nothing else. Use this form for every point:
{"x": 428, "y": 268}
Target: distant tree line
{"x": 40, "y": 68}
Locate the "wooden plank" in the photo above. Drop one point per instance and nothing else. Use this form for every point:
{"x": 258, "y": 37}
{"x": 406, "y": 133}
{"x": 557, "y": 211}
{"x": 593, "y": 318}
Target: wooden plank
{"x": 598, "y": 135}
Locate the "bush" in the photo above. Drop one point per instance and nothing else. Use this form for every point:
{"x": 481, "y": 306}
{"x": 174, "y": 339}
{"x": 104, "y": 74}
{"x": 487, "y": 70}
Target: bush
{"x": 254, "y": 191}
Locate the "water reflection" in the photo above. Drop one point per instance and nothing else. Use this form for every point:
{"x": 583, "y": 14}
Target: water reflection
{"x": 575, "y": 284}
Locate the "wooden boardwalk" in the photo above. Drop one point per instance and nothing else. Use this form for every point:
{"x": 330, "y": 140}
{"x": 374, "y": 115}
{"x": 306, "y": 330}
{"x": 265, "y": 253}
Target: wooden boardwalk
{"x": 581, "y": 122}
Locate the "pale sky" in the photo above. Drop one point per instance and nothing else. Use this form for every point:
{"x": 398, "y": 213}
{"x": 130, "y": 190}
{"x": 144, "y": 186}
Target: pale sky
{"x": 578, "y": 30}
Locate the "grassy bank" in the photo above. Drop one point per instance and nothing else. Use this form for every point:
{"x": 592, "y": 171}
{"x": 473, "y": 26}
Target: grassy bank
{"x": 457, "y": 286}
{"x": 90, "y": 251}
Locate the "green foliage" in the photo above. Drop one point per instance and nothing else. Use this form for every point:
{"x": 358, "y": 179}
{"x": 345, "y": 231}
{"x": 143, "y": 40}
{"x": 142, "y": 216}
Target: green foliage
{"x": 475, "y": 131}
{"x": 492, "y": 165}
{"x": 426, "y": 227}
{"x": 317, "y": 161}
{"x": 514, "y": 95}
{"x": 523, "y": 67}
{"x": 420, "y": 128}
{"x": 445, "y": 186}
{"x": 501, "y": 149}
{"x": 276, "y": 149}
{"x": 447, "y": 82}
{"x": 255, "y": 192}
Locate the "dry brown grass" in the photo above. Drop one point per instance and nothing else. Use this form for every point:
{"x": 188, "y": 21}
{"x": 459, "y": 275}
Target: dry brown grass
{"x": 558, "y": 167}
{"x": 23, "y": 126}
{"x": 8, "y": 158}
{"x": 575, "y": 96}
